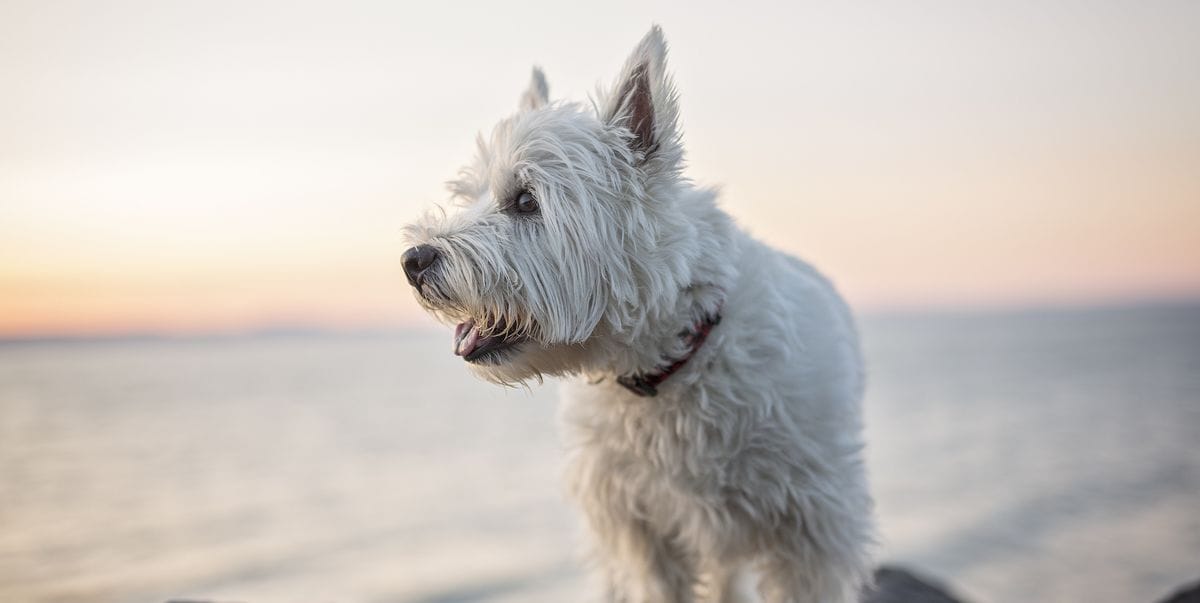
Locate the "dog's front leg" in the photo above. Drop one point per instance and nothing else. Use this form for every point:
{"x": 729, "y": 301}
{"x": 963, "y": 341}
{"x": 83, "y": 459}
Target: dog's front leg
{"x": 643, "y": 566}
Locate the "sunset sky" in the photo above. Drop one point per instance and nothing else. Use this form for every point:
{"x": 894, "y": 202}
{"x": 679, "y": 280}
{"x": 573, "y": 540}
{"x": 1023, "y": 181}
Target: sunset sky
{"x": 188, "y": 167}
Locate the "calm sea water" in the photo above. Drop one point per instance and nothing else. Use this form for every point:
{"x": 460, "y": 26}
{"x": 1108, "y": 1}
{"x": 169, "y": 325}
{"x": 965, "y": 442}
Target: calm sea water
{"x": 1037, "y": 456}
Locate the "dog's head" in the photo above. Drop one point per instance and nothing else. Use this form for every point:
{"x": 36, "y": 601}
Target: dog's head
{"x": 555, "y": 243}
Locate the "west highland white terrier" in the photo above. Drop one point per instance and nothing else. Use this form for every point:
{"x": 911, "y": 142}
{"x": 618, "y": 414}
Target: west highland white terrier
{"x": 713, "y": 406}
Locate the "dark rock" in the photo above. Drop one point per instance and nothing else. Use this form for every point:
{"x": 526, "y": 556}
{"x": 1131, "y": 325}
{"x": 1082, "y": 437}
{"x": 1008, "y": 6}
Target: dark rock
{"x": 1186, "y": 594}
{"x": 896, "y": 585}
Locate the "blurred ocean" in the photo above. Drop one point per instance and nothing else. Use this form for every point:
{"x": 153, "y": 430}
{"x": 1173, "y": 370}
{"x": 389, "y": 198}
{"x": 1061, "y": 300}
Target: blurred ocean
{"x": 1028, "y": 456}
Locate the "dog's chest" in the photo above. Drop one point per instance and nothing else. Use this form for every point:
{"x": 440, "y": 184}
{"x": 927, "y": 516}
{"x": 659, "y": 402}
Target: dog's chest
{"x": 660, "y": 458}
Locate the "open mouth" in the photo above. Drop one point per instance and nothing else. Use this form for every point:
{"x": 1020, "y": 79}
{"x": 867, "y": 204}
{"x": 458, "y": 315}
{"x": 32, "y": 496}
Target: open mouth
{"x": 475, "y": 347}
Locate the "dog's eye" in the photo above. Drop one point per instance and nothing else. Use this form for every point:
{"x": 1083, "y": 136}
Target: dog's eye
{"x": 525, "y": 203}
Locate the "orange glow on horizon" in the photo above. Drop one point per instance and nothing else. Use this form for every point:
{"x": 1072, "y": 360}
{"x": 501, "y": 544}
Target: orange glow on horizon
{"x": 224, "y": 176}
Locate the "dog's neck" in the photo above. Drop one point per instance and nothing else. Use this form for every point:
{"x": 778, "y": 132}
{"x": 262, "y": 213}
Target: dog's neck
{"x": 646, "y": 384}
{"x": 667, "y": 348}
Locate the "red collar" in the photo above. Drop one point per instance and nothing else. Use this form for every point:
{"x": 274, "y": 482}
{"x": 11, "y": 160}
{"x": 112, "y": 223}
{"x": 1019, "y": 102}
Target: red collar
{"x": 647, "y": 384}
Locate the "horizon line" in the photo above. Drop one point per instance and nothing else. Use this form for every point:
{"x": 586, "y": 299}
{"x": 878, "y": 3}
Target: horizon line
{"x": 300, "y": 329}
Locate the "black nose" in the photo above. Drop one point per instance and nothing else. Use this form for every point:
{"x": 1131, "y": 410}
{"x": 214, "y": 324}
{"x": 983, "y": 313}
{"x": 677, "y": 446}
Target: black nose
{"x": 416, "y": 261}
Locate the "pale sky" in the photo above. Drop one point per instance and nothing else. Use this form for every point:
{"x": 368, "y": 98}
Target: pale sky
{"x": 227, "y": 165}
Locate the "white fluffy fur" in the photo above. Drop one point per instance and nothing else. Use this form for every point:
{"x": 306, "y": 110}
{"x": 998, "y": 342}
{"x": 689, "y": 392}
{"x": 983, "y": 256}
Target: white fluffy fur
{"x": 746, "y": 469}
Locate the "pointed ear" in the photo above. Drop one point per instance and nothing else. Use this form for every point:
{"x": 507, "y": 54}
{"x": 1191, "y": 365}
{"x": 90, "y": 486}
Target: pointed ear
{"x": 537, "y": 95}
{"x": 644, "y": 100}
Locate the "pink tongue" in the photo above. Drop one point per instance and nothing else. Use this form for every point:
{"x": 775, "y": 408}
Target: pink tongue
{"x": 466, "y": 338}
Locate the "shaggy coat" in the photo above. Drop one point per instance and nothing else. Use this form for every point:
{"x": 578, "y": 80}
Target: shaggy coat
{"x": 579, "y": 249}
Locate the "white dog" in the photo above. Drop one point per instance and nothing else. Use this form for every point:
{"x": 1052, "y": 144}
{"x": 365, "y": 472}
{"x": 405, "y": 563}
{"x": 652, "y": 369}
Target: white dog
{"x": 714, "y": 405}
